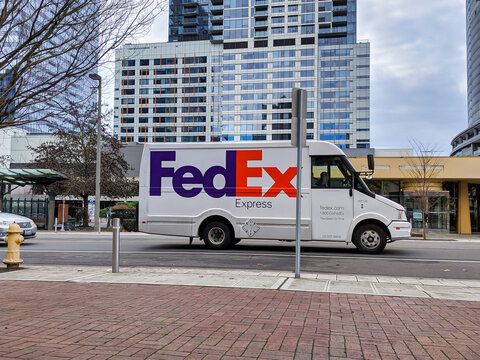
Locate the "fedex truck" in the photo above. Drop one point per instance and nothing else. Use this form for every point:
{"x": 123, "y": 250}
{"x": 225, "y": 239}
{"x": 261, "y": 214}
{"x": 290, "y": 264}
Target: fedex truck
{"x": 225, "y": 192}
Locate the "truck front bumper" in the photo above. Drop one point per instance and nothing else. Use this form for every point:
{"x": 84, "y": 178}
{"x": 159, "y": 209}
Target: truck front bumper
{"x": 400, "y": 230}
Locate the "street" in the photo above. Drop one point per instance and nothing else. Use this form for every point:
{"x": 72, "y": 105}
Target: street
{"x": 416, "y": 258}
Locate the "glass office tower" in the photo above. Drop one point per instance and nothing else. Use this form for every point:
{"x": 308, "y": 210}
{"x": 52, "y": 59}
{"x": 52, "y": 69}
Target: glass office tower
{"x": 229, "y": 76}
{"x": 53, "y": 56}
{"x": 468, "y": 141}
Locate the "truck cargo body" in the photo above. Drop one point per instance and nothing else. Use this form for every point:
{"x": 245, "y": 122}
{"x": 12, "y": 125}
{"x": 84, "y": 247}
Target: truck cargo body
{"x": 250, "y": 188}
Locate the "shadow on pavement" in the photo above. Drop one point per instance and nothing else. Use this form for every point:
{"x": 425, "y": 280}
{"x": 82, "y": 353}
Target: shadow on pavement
{"x": 276, "y": 248}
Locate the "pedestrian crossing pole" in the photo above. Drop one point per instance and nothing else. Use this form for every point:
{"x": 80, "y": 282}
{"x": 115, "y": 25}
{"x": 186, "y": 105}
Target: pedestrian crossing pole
{"x": 298, "y": 138}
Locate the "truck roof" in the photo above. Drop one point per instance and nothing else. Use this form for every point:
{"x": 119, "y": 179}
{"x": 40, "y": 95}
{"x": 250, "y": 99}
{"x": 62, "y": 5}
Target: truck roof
{"x": 315, "y": 147}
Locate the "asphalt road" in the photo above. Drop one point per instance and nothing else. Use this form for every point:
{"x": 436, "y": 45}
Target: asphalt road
{"x": 434, "y": 259}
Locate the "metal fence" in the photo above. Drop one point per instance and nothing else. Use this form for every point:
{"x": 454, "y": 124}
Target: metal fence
{"x": 35, "y": 209}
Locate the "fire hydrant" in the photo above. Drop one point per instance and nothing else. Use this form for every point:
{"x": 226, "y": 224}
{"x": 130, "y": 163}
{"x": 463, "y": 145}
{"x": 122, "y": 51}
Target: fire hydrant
{"x": 14, "y": 239}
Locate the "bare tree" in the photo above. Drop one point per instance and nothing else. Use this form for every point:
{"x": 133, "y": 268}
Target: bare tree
{"x": 73, "y": 153}
{"x": 5, "y": 161}
{"x": 47, "y": 47}
{"x": 423, "y": 170}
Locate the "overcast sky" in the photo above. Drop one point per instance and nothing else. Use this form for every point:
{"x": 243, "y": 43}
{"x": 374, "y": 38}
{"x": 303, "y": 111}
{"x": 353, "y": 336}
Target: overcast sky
{"x": 418, "y": 69}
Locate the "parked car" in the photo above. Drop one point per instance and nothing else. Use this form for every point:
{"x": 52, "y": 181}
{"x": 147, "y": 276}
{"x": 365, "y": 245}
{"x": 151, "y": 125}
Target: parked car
{"x": 29, "y": 229}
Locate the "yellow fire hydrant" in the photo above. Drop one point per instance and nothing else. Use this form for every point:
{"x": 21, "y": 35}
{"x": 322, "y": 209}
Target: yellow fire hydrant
{"x": 13, "y": 240}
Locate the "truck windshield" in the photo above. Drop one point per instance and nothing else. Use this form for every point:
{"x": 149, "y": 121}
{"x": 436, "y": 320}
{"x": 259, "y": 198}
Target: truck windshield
{"x": 359, "y": 182}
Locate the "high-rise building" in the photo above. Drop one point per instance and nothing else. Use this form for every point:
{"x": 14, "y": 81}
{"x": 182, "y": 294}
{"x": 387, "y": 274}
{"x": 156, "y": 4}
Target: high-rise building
{"x": 468, "y": 141}
{"x": 228, "y": 71}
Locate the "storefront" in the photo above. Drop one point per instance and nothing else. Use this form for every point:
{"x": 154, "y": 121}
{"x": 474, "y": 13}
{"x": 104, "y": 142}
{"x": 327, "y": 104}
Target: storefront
{"x": 453, "y": 195}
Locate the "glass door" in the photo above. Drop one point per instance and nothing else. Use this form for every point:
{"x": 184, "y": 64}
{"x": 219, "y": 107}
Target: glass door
{"x": 473, "y": 197}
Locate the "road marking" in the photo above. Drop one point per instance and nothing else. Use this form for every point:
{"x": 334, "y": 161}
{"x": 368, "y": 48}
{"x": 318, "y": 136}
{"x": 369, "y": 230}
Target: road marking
{"x": 245, "y": 253}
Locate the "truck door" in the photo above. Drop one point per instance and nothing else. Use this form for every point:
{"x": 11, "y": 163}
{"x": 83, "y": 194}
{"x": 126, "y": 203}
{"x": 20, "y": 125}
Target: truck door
{"x": 332, "y": 198}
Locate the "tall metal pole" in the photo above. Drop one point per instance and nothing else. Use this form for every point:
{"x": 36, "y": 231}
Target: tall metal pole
{"x": 99, "y": 144}
{"x": 301, "y": 98}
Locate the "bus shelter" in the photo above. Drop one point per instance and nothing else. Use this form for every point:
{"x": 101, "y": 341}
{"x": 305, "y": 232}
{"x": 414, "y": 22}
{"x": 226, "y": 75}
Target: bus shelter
{"x": 10, "y": 179}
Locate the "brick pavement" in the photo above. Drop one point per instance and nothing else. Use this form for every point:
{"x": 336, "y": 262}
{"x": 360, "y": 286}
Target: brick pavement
{"x": 61, "y": 320}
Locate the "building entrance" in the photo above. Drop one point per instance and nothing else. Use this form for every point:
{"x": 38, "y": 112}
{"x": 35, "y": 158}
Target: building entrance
{"x": 474, "y": 202}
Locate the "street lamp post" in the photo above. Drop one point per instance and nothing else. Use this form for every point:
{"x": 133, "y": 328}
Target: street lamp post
{"x": 99, "y": 143}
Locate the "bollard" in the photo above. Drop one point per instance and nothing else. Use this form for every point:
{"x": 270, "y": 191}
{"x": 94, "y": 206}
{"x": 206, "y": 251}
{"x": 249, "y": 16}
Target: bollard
{"x": 13, "y": 240}
{"x": 116, "y": 245}
{"x": 56, "y": 224}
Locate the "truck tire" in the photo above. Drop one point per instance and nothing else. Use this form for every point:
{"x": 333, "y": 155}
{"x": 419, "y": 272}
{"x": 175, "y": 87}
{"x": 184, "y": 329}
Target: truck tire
{"x": 370, "y": 239}
{"x": 217, "y": 235}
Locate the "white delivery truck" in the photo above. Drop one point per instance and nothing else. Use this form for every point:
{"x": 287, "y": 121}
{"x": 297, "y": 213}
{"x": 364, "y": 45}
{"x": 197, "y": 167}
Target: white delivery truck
{"x": 225, "y": 192}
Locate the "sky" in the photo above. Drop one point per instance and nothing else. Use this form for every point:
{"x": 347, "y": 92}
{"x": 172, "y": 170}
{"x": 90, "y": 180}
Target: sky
{"x": 418, "y": 70}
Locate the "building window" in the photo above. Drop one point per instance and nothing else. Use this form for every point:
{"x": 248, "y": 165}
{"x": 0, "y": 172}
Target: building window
{"x": 308, "y": 41}
{"x": 284, "y": 42}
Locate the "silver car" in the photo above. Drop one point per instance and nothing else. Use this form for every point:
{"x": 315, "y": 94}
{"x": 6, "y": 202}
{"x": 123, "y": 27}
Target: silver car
{"x": 29, "y": 229}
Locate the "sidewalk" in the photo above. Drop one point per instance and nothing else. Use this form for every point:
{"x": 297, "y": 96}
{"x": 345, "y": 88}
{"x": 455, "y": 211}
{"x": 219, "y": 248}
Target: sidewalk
{"x": 89, "y": 313}
{"x": 445, "y": 289}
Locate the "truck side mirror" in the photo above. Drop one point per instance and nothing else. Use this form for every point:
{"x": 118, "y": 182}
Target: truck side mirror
{"x": 371, "y": 162}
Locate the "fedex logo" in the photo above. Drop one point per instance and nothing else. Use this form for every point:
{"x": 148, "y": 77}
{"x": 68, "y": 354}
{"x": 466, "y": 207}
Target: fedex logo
{"x": 236, "y": 174}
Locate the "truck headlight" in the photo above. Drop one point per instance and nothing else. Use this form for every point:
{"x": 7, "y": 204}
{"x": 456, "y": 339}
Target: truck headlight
{"x": 401, "y": 215}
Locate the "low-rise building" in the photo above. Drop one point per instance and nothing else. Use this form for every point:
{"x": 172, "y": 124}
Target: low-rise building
{"x": 453, "y": 188}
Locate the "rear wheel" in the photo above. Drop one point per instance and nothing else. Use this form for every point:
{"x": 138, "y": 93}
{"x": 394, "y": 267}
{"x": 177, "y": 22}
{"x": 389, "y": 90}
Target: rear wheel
{"x": 217, "y": 235}
{"x": 370, "y": 239}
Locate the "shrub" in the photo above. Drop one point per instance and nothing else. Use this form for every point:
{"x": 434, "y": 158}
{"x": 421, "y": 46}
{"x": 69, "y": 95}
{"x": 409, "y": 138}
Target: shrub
{"x": 129, "y": 224}
{"x": 124, "y": 214}
{"x": 126, "y": 205}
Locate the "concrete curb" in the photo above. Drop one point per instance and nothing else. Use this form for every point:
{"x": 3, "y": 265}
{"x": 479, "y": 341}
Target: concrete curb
{"x": 447, "y": 289}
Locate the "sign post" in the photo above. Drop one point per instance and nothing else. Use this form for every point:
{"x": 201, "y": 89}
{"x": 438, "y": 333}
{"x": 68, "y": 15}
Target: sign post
{"x": 299, "y": 112}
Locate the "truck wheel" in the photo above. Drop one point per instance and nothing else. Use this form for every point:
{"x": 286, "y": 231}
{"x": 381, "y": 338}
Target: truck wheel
{"x": 217, "y": 235}
{"x": 370, "y": 239}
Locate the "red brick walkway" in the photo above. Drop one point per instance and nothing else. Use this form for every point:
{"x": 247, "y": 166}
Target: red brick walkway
{"x": 46, "y": 320}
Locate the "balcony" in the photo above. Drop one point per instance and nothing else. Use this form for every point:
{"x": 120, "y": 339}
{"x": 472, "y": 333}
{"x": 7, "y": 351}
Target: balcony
{"x": 190, "y": 30}
{"x": 189, "y": 3}
{"x": 189, "y": 12}
{"x": 260, "y": 14}
{"x": 339, "y": 20}
{"x": 261, "y": 24}
{"x": 216, "y": 39}
{"x": 216, "y": 9}
{"x": 261, "y": 4}
{"x": 262, "y": 33}
{"x": 217, "y": 29}
{"x": 190, "y": 21}
{"x": 216, "y": 19}
{"x": 339, "y": 10}
{"x": 335, "y": 31}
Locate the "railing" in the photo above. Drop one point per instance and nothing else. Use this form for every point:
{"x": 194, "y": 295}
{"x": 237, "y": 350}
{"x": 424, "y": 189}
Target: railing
{"x": 261, "y": 23}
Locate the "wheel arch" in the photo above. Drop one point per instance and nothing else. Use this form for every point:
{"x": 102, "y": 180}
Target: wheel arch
{"x": 212, "y": 218}
{"x": 371, "y": 221}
